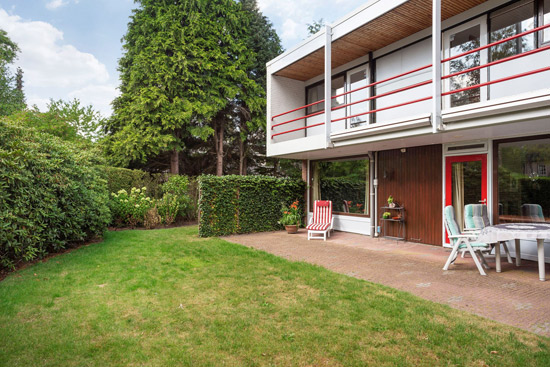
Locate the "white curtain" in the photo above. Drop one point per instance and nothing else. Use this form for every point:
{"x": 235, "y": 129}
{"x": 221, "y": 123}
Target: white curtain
{"x": 458, "y": 193}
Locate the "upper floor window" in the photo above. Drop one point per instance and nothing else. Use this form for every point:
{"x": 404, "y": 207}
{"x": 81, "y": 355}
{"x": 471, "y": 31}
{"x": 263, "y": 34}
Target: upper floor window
{"x": 459, "y": 42}
{"x": 546, "y": 20}
{"x": 317, "y": 92}
{"x": 509, "y": 21}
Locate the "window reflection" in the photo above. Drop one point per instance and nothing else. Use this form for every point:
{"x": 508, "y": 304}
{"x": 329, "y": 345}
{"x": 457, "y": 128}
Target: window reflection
{"x": 345, "y": 183}
{"x": 524, "y": 181}
{"x": 461, "y": 42}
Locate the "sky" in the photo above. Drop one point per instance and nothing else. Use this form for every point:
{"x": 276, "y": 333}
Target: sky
{"x": 70, "y": 48}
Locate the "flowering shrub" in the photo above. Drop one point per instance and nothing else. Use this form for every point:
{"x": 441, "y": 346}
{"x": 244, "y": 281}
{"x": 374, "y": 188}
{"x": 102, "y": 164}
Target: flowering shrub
{"x": 291, "y": 215}
{"x": 130, "y": 208}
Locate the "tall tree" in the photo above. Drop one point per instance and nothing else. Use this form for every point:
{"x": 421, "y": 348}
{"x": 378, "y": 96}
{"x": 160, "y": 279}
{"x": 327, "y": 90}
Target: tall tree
{"x": 185, "y": 63}
{"x": 263, "y": 40}
{"x": 12, "y": 98}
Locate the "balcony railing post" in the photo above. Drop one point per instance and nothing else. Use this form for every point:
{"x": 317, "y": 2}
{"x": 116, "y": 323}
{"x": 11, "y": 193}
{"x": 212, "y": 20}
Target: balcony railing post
{"x": 328, "y": 83}
{"x": 436, "y": 66}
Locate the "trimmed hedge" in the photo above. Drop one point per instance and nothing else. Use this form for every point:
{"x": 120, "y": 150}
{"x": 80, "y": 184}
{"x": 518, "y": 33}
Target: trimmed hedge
{"x": 244, "y": 204}
{"x": 51, "y": 194}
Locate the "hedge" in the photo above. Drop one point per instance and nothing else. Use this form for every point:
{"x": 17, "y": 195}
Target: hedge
{"x": 244, "y": 204}
{"x": 51, "y": 194}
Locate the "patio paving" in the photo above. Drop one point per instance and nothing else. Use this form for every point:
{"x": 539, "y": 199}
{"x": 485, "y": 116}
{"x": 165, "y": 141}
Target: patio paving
{"x": 515, "y": 296}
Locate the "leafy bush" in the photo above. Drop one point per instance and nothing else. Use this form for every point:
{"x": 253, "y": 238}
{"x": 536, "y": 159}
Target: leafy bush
{"x": 243, "y": 204}
{"x": 130, "y": 208}
{"x": 125, "y": 179}
{"x": 51, "y": 194}
{"x": 152, "y": 218}
{"x": 178, "y": 187}
{"x": 168, "y": 208}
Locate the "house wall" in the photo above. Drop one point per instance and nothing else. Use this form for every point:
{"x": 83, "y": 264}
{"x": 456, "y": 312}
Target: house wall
{"x": 414, "y": 179}
{"x": 286, "y": 94}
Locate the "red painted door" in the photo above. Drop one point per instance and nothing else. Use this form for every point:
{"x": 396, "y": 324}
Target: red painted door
{"x": 465, "y": 183}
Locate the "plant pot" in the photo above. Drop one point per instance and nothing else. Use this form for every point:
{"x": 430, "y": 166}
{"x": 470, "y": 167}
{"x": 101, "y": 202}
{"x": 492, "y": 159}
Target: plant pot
{"x": 291, "y": 229}
{"x": 391, "y": 205}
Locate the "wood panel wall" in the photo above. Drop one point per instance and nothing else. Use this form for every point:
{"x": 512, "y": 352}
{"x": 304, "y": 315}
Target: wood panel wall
{"x": 414, "y": 179}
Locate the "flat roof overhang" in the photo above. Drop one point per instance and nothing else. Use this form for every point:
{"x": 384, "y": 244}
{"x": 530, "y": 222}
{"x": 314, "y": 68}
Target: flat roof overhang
{"x": 390, "y": 22}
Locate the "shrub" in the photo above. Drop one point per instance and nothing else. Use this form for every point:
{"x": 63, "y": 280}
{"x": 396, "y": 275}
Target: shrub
{"x": 130, "y": 208}
{"x": 243, "y": 204}
{"x": 152, "y": 218}
{"x": 51, "y": 194}
{"x": 178, "y": 187}
{"x": 168, "y": 208}
{"x": 125, "y": 179}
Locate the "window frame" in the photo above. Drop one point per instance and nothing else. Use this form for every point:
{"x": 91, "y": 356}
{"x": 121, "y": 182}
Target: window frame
{"x": 340, "y": 159}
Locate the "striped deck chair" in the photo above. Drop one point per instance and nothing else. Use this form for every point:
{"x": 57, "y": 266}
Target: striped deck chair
{"x": 321, "y": 221}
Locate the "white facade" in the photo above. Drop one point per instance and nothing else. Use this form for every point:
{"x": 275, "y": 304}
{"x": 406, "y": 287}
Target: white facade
{"x": 519, "y": 107}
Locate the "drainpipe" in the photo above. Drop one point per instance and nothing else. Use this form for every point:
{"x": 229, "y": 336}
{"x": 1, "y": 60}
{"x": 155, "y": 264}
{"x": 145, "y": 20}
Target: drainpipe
{"x": 374, "y": 195}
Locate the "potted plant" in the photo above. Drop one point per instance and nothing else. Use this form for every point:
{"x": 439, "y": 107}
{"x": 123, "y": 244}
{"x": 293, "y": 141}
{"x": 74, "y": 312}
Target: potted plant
{"x": 291, "y": 218}
{"x": 391, "y": 204}
{"x": 386, "y": 215}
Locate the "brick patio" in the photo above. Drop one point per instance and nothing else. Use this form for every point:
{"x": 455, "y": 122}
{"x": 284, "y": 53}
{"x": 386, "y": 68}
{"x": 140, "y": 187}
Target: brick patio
{"x": 514, "y": 297}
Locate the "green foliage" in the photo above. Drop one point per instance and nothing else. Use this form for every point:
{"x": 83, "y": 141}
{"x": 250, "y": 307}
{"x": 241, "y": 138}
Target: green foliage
{"x": 51, "y": 194}
{"x": 178, "y": 187}
{"x": 169, "y": 207}
{"x": 184, "y": 62}
{"x": 129, "y": 208}
{"x": 291, "y": 215}
{"x": 243, "y": 204}
{"x": 315, "y": 27}
{"x": 68, "y": 120}
{"x": 125, "y": 179}
{"x": 12, "y": 98}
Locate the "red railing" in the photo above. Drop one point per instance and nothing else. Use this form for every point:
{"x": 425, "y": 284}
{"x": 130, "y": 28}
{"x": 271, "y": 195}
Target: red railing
{"x": 426, "y": 82}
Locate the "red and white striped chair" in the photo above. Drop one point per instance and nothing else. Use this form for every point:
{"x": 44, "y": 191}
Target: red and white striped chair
{"x": 321, "y": 221}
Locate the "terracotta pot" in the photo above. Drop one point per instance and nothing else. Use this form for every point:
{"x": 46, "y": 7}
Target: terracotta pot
{"x": 291, "y": 229}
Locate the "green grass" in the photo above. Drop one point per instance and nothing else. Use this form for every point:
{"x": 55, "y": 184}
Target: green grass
{"x": 167, "y": 297}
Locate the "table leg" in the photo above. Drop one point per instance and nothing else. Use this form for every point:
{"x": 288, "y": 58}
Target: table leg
{"x": 497, "y": 257}
{"x": 540, "y": 250}
{"x": 518, "y": 252}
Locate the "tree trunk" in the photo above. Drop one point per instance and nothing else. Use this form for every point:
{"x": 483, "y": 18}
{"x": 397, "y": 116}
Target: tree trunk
{"x": 175, "y": 162}
{"x": 242, "y": 158}
{"x": 219, "y": 149}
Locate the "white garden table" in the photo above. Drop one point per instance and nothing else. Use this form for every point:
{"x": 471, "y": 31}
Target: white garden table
{"x": 517, "y": 231}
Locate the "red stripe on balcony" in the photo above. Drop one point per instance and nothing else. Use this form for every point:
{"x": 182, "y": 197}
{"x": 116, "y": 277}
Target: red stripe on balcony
{"x": 298, "y": 129}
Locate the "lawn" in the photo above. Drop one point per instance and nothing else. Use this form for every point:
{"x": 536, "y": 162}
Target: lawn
{"x": 167, "y": 297}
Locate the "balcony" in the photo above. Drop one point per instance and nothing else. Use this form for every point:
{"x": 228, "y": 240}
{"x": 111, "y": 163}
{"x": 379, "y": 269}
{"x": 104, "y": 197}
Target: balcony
{"x": 479, "y": 81}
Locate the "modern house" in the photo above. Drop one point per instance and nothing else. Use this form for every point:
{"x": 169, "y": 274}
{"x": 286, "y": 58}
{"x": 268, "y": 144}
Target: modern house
{"x": 434, "y": 102}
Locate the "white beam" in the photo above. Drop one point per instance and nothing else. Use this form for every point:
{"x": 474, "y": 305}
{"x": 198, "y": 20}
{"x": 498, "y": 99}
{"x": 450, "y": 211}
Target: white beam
{"x": 436, "y": 66}
{"x": 328, "y": 83}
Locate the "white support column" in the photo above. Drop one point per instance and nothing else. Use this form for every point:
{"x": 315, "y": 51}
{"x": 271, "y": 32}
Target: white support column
{"x": 328, "y": 83}
{"x": 436, "y": 66}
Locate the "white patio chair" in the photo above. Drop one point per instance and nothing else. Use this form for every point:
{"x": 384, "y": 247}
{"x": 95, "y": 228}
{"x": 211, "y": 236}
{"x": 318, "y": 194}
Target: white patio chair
{"x": 475, "y": 219}
{"x": 463, "y": 242}
{"x": 321, "y": 221}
